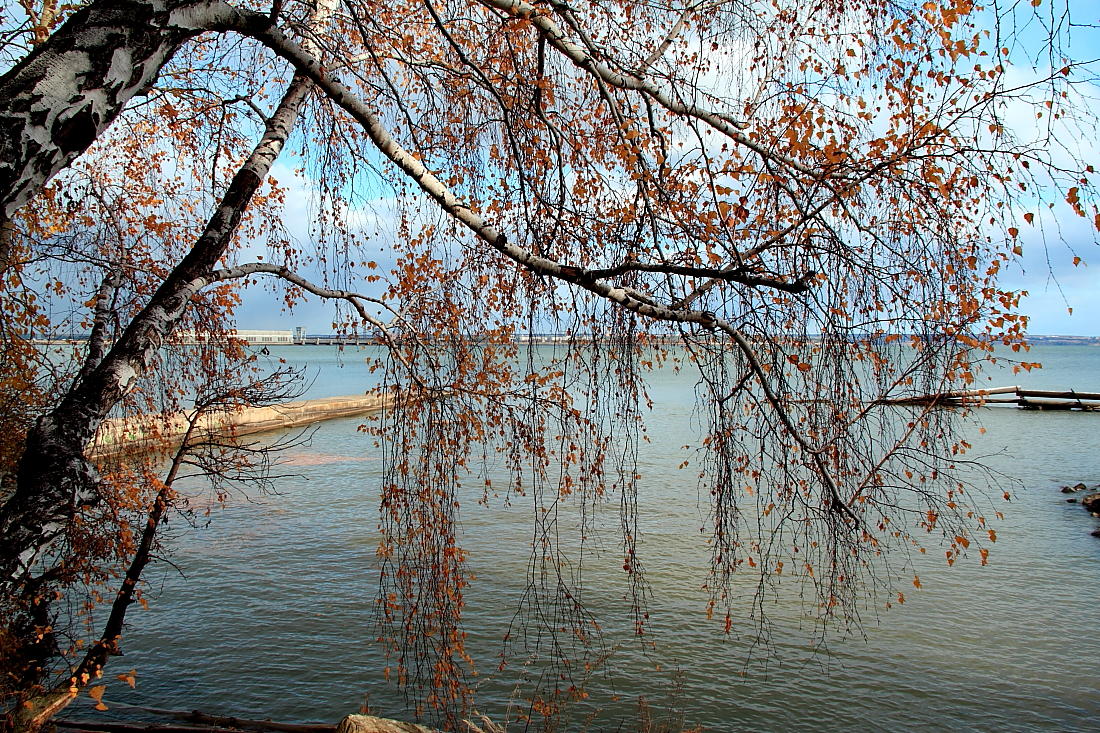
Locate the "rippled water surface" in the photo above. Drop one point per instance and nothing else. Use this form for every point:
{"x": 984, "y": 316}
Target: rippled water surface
{"x": 267, "y": 612}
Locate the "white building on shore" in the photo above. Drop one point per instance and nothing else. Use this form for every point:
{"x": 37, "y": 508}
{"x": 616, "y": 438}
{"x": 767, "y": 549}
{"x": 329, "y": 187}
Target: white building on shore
{"x": 253, "y": 337}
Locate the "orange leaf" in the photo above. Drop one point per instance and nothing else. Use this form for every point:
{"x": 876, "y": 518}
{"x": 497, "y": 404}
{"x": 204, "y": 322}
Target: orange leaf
{"x": 96, "y": 693}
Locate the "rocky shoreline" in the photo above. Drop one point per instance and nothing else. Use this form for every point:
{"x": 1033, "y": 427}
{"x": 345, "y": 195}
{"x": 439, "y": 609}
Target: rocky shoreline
{"x": 1090, "y": 501}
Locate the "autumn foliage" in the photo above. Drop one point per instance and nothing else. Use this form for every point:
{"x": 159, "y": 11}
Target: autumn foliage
{"x": 808, "y": 204}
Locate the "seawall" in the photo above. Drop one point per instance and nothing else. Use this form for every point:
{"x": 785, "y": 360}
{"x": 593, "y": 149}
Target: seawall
{"x": 163, "y": 432}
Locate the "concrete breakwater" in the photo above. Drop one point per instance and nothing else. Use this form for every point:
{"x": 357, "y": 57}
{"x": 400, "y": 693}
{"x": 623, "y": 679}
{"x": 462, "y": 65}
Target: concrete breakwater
{"x": 164, "y": 432}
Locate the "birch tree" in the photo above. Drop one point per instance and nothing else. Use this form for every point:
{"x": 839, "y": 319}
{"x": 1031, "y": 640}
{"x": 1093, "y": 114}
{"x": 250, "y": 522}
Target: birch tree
{"x": 812, "y": 200}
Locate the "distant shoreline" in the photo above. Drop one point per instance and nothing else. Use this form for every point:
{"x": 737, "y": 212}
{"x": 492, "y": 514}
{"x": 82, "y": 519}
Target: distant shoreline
{"x": 286, "y": 339}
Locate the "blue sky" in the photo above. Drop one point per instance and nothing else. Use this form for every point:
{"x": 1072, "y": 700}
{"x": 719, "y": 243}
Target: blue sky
{"x": 1063, "y": 297}
{"x": 1055, "y": 285}
{"x": 1046, "y": 270}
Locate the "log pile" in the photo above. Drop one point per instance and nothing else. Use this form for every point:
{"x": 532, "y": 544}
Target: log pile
{"x": 1030, "y": 399}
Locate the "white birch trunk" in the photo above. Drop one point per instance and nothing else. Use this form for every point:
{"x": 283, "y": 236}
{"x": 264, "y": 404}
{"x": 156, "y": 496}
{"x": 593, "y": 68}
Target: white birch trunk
{"x": 54, "y": 477}
{"x": 64, "y": 94}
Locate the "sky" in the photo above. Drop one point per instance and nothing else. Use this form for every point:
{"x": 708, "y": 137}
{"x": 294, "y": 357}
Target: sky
{"x": 1063, "y": 297}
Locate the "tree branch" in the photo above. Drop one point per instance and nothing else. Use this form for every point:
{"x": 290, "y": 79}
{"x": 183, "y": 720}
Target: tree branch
{"x": 722, "y": 123}
{"x": 801, "y": 285}
{"x": 355, "y": 299}
{"x": 837, "y": 502}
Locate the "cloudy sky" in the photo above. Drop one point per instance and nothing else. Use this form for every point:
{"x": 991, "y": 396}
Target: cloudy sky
{"x": 1063, "y": 297}
{"x": 1055, "y": 285}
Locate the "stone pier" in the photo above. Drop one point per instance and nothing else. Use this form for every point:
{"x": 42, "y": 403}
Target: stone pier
{"x": 153, "y": 432}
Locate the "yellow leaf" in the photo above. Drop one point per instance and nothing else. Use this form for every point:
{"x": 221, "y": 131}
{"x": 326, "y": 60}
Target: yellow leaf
{"x": 916, "y": 581}
{"x": 96, "y": 693}
{"x": 129, "y": 678}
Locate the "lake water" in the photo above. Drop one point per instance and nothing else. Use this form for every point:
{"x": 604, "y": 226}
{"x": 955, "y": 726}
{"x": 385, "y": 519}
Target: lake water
{"x": 268, "y": 610}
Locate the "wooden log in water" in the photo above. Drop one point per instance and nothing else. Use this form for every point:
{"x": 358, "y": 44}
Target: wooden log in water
{"x": 981, "y": 392}
{"x": 1032, "y": 399}
{"x": 991, "y": 401}
{"x": 951, "y": 397}
{"x": 1068, "y": 394}
{"x": 1033, "y": 404}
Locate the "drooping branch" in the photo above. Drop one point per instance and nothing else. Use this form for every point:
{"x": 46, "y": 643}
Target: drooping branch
{"x": 584, "y": 60}
{"x": 356, "y": 300}
{"x": 837, "y": 501}
{"x": 734, "y": 275}
{"x": 438, "y": 191}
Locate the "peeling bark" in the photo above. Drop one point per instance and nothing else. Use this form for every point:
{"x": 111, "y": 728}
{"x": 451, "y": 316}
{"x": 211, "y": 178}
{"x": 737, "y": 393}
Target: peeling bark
{"x": 66, "y": 92}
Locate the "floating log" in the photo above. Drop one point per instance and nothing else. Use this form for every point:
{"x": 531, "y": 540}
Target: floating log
{"x": 940, "y": 397}
{"x": 1031, "y": 399}
{"x": 1068, "y": 394}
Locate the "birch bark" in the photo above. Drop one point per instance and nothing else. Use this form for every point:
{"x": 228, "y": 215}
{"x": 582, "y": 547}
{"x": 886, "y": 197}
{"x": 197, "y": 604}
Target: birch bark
{"x": 54, "y": 478}
{"x": 67, "y": 91}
